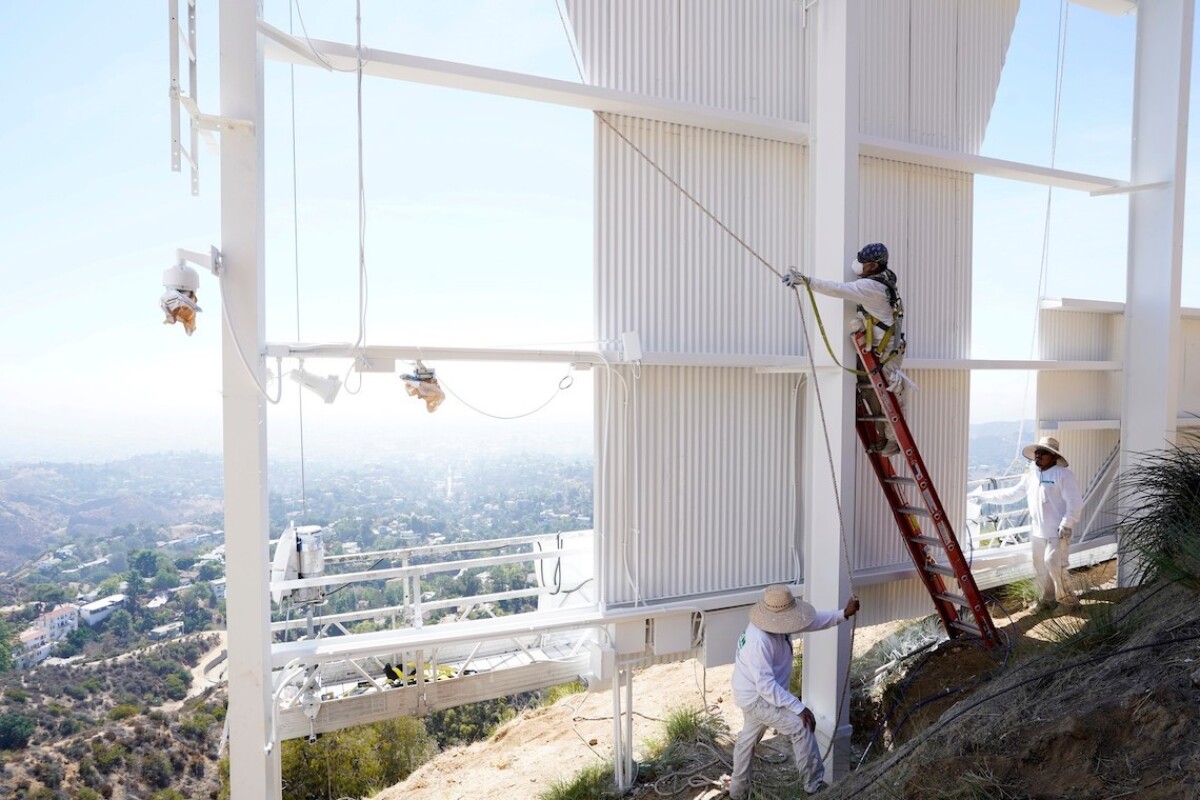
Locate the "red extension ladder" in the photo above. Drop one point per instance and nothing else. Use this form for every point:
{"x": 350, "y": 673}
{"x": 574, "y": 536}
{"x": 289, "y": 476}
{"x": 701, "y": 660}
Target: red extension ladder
{"x": 964, "y": 612}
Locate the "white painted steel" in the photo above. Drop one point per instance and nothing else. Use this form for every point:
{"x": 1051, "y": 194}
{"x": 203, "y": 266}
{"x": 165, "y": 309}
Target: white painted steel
{"x": 665, "y": 270}
{"x": 930, "y": 69}
{"x": 694, "y": 473}
{"x": 923, "y": 215}
{"x": 829, "y": 440}
{"x": 254, "y": 757}
{"x": 744, "y": 56}
{"x": 1162, "y": 82}
{"x": 469, "y": 77}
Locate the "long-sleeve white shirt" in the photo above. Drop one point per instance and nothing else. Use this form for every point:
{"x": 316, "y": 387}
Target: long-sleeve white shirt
{"x": 1055, "y": 501}
{"x": 763, "y": 665}
{"x": 871, "y": 295}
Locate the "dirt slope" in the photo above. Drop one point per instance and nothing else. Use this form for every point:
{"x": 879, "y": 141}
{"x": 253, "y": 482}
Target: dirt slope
{"x": 1045, "y": 720}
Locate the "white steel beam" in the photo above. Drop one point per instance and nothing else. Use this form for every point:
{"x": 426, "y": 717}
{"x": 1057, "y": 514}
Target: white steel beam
{"x": 1161, "y": 84}
{"x": 468, "y": 77}
{"x": 984, "y": 165}
{"x": 833, "y": 166}
{"x": 454, "y": 75}
{"x": 254, "y": 760}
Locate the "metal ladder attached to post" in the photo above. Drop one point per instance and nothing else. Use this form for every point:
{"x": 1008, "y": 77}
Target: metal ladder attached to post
{"x": 963, "y": 613}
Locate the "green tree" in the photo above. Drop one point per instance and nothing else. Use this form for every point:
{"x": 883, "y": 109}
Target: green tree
{"x": 135, "y": 584}
{"x": 354, "y": 762}
{"x": 145, "y": 562}
{"x": 211, "y": 570}
{"x": 120, "y": 625}
{"x": 6, "y": 646}
{"x": 15, "y": 731}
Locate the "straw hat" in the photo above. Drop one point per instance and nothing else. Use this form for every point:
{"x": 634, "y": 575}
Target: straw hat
{"x": 779, "y": 612}
{"x": 1045, "y": 443}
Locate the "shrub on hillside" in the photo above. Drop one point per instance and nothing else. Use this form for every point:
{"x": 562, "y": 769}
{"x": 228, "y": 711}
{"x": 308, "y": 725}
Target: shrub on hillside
{"x": 1162, "y": 491}
{"x": 15, "y": 731}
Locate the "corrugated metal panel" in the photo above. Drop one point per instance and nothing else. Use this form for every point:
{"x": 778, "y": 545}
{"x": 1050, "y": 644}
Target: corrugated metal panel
{"x": 883, "y": 103}
{"x": 885, "y": 602}
{"x": 923, "y": 214}
{"x": 1067, "y": 396}
{"x": 938, "y": 414}
{"x": 695, "y": 490}
{"x": 666, "y": 270}
{"x": 984, "y": 31}
{"x": 930, "y": 68}
{"x": 1189, "y": 376}
{"x": 934, "y": 115}
{"x": 741, "y": 56}
{"x": 1077, "y": 336}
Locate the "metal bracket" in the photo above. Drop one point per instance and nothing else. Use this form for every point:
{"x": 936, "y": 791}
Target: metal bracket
{"x": 181, "y": 100}
{"x": 213, "y": 261}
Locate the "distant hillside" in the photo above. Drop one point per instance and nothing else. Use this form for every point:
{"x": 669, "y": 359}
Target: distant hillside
{"x": 46, "y": 505}
{"x": 993, "y": 446}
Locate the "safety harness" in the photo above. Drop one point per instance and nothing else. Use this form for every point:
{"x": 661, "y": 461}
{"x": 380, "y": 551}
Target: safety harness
{"x": 891, "y": 334}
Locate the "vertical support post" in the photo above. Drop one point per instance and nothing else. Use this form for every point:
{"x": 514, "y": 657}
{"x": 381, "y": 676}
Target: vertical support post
{"x": 833, "y": 196}
{"x": 254, "y": 757}
{"x": 1162, "y": 82}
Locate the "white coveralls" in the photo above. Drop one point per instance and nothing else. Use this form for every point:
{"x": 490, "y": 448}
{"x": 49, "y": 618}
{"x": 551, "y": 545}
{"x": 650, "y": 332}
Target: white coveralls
{"x": 761, "y": 672}
{"x": 1055, "y": 504}
{"x": 873, "y": 297}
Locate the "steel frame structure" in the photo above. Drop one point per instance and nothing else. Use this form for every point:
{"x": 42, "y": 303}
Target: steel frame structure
{"x": 1156, "y": 183}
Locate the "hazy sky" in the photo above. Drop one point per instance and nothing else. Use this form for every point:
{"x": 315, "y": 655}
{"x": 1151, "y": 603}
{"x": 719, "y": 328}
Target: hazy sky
{"x": 477, "y": 229}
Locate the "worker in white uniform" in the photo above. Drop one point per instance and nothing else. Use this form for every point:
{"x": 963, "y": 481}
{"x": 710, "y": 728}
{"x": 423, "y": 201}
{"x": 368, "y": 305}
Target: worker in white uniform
{"x": 762, "y": 671}
{"x": 1055, "y": 504}
{"x": 880, "y": 308}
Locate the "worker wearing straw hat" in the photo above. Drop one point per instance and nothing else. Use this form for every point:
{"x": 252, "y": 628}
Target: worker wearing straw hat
{"x": 761, "y": 672}
{"x": 1055, "y": 505}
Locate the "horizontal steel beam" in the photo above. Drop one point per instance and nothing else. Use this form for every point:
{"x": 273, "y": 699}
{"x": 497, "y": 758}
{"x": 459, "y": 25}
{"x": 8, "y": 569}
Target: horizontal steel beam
{"x": 468, "y": 77}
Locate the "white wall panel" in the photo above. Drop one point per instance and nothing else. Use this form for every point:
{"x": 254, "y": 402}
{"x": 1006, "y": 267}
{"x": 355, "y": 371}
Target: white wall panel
{"x": 1189, "y": 379}
{"x": 938, "y": 414}
{"x": 697, "y": 471}
{"x": 1079, "y": 335}
{"x": 666, "y": 270}
{"x": 930, "y": 69}
{"x": 745, "y": 56}
{"x": 923, "y": 215}
{"x": 884, "y": 602}
{"x": 1073, "y": 396}
{"x": 984, "y": 32}
{"x": 884, "y": 70}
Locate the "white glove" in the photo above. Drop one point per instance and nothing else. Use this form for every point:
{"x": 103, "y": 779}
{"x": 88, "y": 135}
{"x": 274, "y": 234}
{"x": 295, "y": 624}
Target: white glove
{"x": 792, "y": 278}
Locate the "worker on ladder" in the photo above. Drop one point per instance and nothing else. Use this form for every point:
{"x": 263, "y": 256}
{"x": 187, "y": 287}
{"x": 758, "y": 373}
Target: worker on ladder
{"x": 880, "y": 316}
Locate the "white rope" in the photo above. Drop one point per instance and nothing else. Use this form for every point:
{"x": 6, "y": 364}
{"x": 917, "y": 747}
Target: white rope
{"x": 296, "y": 265}
{"x": 361, "y": 341}
{"x": 1043, "y": 268}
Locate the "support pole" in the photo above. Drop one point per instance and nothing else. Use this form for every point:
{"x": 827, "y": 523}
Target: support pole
{"x": 1162, "y": 82}
{"x": 833, "y": 165}
{"x": 254, "y": 757}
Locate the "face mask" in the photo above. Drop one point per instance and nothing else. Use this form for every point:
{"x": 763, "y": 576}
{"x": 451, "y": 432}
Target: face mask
{"x": 856, "y": 267}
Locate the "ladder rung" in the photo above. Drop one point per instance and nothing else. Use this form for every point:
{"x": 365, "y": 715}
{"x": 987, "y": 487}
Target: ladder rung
{"x": 953, "y": 598}
{"x": 898, "y": 481}
{"x": 941, "y": 570}
{"x": 873, "y": 418}
{"x": 974, "y": 630}
{"x": 914, "y": 511}
{"x": 928, "y": 541}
